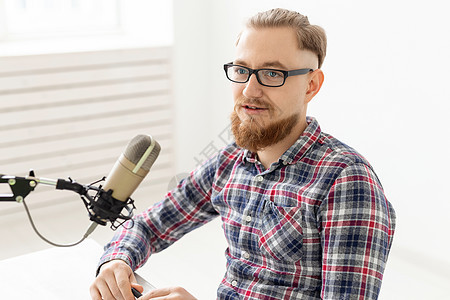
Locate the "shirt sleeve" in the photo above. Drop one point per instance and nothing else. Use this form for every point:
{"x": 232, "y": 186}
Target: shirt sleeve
{"x": 182, "y": 210}
{"x": 357, "y": 225}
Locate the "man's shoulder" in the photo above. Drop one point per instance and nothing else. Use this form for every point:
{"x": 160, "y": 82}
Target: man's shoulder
{"x": 330, "y": 158}
{"x": 333, "y": 150}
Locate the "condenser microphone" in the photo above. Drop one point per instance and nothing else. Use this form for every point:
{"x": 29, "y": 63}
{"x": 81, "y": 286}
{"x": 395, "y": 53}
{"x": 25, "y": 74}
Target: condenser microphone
{"x": 132, "y": 166}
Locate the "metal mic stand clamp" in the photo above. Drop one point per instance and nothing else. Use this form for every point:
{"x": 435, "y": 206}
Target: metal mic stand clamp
{"x": 20, "y": 187}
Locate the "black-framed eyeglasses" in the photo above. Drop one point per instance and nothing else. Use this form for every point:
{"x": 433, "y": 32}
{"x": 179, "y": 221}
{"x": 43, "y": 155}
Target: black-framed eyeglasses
{"x": 266, "y": 77}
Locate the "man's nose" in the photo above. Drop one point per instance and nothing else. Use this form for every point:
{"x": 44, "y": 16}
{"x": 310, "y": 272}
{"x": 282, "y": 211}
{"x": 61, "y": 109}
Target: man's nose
{"x": 252, "y": 88}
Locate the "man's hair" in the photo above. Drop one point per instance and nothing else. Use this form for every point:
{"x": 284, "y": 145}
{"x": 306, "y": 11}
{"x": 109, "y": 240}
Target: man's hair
{"x": 310, "y": 37}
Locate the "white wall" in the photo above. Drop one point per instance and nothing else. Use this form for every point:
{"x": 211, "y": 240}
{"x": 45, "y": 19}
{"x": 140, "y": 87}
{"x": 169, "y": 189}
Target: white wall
{"x": 384, "y": 94}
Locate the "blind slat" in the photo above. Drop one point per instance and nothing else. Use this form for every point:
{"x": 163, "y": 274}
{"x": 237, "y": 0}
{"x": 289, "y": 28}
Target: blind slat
{"x": 82, "y": 143}
{"x": 30, "y": 82}
{"x": 82, "y": 111}
{"x": 61, "y": 165}
{"x": 75, "y": 60}
{"x": 38, "y": 129}
{"x": 117, "y": 91}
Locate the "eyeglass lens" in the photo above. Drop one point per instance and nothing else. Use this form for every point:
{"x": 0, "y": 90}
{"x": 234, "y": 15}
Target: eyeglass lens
{"x": 266, "y": 76}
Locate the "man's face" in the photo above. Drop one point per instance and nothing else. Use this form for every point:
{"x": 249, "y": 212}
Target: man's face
{"x": 265, "y": 115}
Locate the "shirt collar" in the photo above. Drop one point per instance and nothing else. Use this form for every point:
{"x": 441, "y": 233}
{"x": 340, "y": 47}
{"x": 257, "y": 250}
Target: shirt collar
{"x": 303, "y": 143}
{"x": 298, "y": 149}
{"x": 248, "y": 156}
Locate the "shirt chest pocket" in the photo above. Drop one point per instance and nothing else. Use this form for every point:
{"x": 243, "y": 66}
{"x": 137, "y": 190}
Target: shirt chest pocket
{"x": 281, "y": 235}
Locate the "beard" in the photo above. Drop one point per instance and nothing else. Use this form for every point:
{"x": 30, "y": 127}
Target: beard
{"x": 256, "y": 135}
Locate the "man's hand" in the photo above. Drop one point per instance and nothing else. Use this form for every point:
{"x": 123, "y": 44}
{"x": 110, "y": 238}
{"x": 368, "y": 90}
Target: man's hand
{"x": 114, "y": 282}
{"x": 172, "y": 293}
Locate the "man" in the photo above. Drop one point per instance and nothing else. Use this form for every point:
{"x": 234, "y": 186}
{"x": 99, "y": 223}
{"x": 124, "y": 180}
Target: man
{"x": 304, "y": 215}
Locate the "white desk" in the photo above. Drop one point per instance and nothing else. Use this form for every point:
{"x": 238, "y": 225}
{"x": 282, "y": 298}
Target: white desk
{"x": 55, "y": 273}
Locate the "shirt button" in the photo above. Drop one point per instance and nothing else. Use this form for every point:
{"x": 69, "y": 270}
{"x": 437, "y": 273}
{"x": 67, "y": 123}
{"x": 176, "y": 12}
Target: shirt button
{"x": 259, "y": 178}
{"x": 234, "y": 283}
{"x": 248, "y": 218}
{"x": 245, "y": 254}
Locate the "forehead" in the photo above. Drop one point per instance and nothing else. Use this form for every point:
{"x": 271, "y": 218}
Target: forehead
{"x": 259, "y": 47}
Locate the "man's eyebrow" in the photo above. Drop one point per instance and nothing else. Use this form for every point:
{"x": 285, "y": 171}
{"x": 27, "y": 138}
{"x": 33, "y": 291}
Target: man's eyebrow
{"x": 239, "y": 62}
{"x": 270, "y": 64}
{"x": 274, "y": 64}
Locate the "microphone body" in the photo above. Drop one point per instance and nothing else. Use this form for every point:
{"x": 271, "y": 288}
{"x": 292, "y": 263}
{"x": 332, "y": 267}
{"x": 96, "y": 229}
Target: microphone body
{"x": 132, "y": 166}
{"x": 121, "y": 179}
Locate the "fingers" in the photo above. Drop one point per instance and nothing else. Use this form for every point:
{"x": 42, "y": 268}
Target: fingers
{"x": 113, "y": 282}
{"x": 171, "y": 293}
{"x": 121, "y": 287}
{"x": 104, "y": 294}
{"x": 154, "y": 294}
{"x": 138, "y": 287}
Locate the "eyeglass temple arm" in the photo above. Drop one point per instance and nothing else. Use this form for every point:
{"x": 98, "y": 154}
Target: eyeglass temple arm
{"x": 299, "y": 72}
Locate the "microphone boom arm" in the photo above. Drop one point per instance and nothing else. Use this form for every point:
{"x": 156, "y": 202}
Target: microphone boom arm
{"x": 102, "y": 207}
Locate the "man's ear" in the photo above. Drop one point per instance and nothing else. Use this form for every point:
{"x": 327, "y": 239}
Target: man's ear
{"x": 315, "y": 83}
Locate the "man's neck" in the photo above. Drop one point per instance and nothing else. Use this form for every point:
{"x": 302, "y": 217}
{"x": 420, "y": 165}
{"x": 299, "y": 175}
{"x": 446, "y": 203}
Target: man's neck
{"x": 271, "y": 154}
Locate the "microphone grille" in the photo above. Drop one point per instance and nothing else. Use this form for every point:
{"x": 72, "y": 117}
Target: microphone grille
{"x": 137, "y": 148}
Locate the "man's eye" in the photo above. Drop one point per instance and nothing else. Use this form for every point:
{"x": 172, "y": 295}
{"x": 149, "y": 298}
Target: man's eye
{"x": 272, "y": 74}
{"x": 241, "y": 71}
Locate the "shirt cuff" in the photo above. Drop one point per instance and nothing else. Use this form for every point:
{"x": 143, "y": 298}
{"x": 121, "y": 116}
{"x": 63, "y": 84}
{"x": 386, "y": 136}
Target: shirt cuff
{"x": 113, "y": 254}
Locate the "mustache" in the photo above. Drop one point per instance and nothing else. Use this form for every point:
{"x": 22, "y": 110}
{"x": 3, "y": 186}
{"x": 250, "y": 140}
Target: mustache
{"x": 252, "y": 101}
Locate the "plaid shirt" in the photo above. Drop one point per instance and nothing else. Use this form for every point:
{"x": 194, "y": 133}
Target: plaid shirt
{"x": 316, "y": 224}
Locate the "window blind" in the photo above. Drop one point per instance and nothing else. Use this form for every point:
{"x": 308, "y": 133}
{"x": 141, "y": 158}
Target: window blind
{"x": 72, "y": 115}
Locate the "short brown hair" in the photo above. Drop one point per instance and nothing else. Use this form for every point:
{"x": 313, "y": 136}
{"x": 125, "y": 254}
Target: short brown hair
{"x": 310, "y": 37}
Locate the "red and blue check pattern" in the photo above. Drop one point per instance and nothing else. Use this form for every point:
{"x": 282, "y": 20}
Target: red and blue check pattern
{"x": 315, "y": 225}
